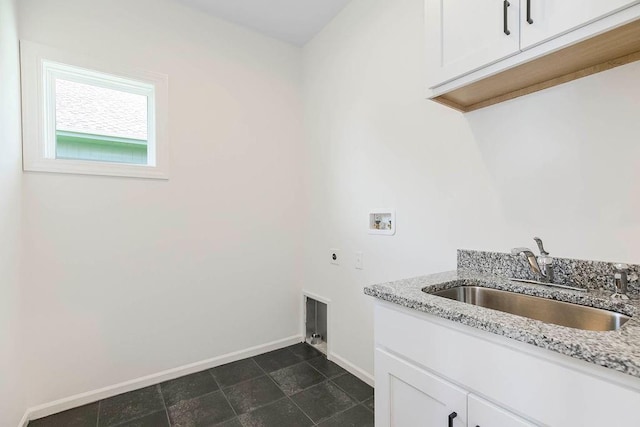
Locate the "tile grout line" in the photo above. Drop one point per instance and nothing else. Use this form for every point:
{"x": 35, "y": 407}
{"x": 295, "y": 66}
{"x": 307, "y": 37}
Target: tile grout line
{"x": 356, "y": 402}
{"x": 332, "y": 377}
{"x": 164, "y": 404}
{"x": 302, "y": 410}
{"x": 301, "y": 360}
{"x": 349, "y": 394}
{"x": 374, "y": 403}
{"x": 339, "y": 413}
{"x": 367, "y": 408}
{"x": 244, "y": 381}
{"x": 263, "y": 406}
{"x": 139, "y": 417}
{"x": 313, "y": 423}
{"x": 327, "y": 379}
{"x": 317, "y": 370}
{"x": 260, "y": 406}
{"x": 223, "y": 394}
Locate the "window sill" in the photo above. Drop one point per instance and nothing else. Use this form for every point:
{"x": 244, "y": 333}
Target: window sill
{"x": 96, "y": 168}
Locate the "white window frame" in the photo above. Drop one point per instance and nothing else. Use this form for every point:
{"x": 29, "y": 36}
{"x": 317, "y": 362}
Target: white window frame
{"x": 41, "y": 66}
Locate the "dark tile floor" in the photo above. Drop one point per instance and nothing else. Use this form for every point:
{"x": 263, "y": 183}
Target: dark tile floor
{"x": 296, "y": 386}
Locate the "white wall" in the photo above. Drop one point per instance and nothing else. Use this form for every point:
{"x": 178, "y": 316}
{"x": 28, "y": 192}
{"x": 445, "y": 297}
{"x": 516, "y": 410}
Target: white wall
{"x": 12, "y": 402}
{"x": 563, "y": 164}
{"x": 124, "y": 277}
{"x": 129, "y": 277}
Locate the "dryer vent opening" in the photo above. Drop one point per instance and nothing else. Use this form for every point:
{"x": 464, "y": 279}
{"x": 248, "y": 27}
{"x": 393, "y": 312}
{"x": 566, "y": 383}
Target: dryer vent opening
{"x": 316, "y": 324}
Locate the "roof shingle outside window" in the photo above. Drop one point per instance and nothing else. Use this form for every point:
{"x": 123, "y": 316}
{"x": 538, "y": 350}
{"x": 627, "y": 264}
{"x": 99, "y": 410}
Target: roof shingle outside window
{"x": 95, "y": 110}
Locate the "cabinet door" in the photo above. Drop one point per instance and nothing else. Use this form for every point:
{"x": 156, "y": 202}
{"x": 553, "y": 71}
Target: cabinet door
{"x": 542, "y": 20}
{"x": 408, "y": 396}
{"x": 464, "y": 35}
{"x": 484, "y": 414}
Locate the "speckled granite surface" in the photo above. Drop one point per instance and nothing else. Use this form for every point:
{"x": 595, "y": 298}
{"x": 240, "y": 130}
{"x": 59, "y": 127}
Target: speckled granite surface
{"x": 619, "y": 350}
{"x": 572, "y": 272}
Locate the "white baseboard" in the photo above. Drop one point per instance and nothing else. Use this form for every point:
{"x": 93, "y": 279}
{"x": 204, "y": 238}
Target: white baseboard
{"x": 25, "y": 420}
{"x": 60, "y": 405}
{"x": 355, "y": 370}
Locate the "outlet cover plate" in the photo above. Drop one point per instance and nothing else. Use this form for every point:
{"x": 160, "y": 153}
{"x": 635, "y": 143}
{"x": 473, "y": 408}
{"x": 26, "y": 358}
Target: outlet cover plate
{"x": 334, "y": 256}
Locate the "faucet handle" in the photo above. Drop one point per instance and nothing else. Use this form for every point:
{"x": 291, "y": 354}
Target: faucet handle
{"x": 621, "y": 280}
{"x": 519, "y": 251}
{"x": 540, "y": 246}
{"x": 621, "y": 268}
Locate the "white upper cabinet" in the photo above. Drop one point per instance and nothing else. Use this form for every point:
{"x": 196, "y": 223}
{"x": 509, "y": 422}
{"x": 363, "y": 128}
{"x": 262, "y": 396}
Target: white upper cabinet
{"x": 468, "y": 40}
{"x": 545, "y": 19}
{"x": 463, "y": 35}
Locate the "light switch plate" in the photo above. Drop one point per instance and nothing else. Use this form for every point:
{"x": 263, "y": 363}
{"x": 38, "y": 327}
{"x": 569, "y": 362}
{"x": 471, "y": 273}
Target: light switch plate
{"x": 359, "y": 260}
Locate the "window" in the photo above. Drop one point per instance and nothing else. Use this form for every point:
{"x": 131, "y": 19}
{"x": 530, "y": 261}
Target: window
{"x": 80, "y": 120}
{"x": 100, "y": 124}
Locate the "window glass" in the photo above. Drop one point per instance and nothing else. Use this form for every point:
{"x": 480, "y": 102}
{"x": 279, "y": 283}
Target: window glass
{"x": 100, "y": 124}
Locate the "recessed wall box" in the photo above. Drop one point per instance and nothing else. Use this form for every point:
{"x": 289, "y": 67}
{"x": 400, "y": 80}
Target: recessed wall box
{"x": 316, "y": 324}
{"x": 382, "y": 221}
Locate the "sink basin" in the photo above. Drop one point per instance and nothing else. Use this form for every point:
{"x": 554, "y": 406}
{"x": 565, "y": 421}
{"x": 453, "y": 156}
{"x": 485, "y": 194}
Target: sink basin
{"x": 546, "y": 310}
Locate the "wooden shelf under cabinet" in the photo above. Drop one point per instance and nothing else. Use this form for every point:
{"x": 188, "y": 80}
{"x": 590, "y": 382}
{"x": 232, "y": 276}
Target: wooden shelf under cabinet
{"x": 602, "y": 52}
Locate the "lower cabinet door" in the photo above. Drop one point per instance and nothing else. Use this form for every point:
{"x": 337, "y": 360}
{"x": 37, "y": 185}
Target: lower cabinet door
{"x": 485, "y": 414}
{"x": 408, "y": 396}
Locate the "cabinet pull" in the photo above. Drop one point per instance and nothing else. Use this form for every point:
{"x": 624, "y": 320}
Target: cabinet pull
{"x": 451, "y": 417}
{"x": 529, "y": 20}
{"x": 506, "y": 5}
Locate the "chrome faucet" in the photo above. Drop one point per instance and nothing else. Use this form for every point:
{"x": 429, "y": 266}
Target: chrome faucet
{"x": 542, "y": 266}
{"x": 621, "y": 279}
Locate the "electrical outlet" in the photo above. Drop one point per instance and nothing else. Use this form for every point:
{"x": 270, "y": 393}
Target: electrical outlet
{"x": 334, "y": 256}
{"x": 359, "y": 260}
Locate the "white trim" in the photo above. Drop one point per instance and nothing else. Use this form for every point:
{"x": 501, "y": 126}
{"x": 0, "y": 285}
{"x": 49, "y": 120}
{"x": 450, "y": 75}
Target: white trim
{"x": 40, "y": 64}
{"x": 353, "y": 369}
{"x": 77, "y": 400}
{"x": 327, "y": 301}
{"x": 25, "y": 419}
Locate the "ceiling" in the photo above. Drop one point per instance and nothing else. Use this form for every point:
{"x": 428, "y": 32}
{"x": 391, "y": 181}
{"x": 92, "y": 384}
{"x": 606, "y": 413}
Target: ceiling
{"x": 293, "y": 21}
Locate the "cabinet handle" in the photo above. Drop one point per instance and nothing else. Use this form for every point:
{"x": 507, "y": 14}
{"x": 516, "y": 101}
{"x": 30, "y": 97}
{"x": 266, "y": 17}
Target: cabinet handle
{"x": 506, "y": 5}
{"x": 529, "y": 20}
{"x": 451, "y": 417}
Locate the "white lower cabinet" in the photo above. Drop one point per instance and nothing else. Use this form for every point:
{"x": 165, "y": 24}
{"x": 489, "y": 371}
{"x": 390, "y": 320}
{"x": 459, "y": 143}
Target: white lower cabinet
{"x": 428, "y": 369}
{"x": 407, "y": 396}
{"x": 485, "y": 414}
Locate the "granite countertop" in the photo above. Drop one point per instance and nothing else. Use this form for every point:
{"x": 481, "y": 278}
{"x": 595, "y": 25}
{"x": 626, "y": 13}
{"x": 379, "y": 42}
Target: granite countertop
{"x": 618, "y": 350}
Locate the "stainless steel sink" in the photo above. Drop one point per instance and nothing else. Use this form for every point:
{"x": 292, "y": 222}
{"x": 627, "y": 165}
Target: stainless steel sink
{"x": 546, "y": 310}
